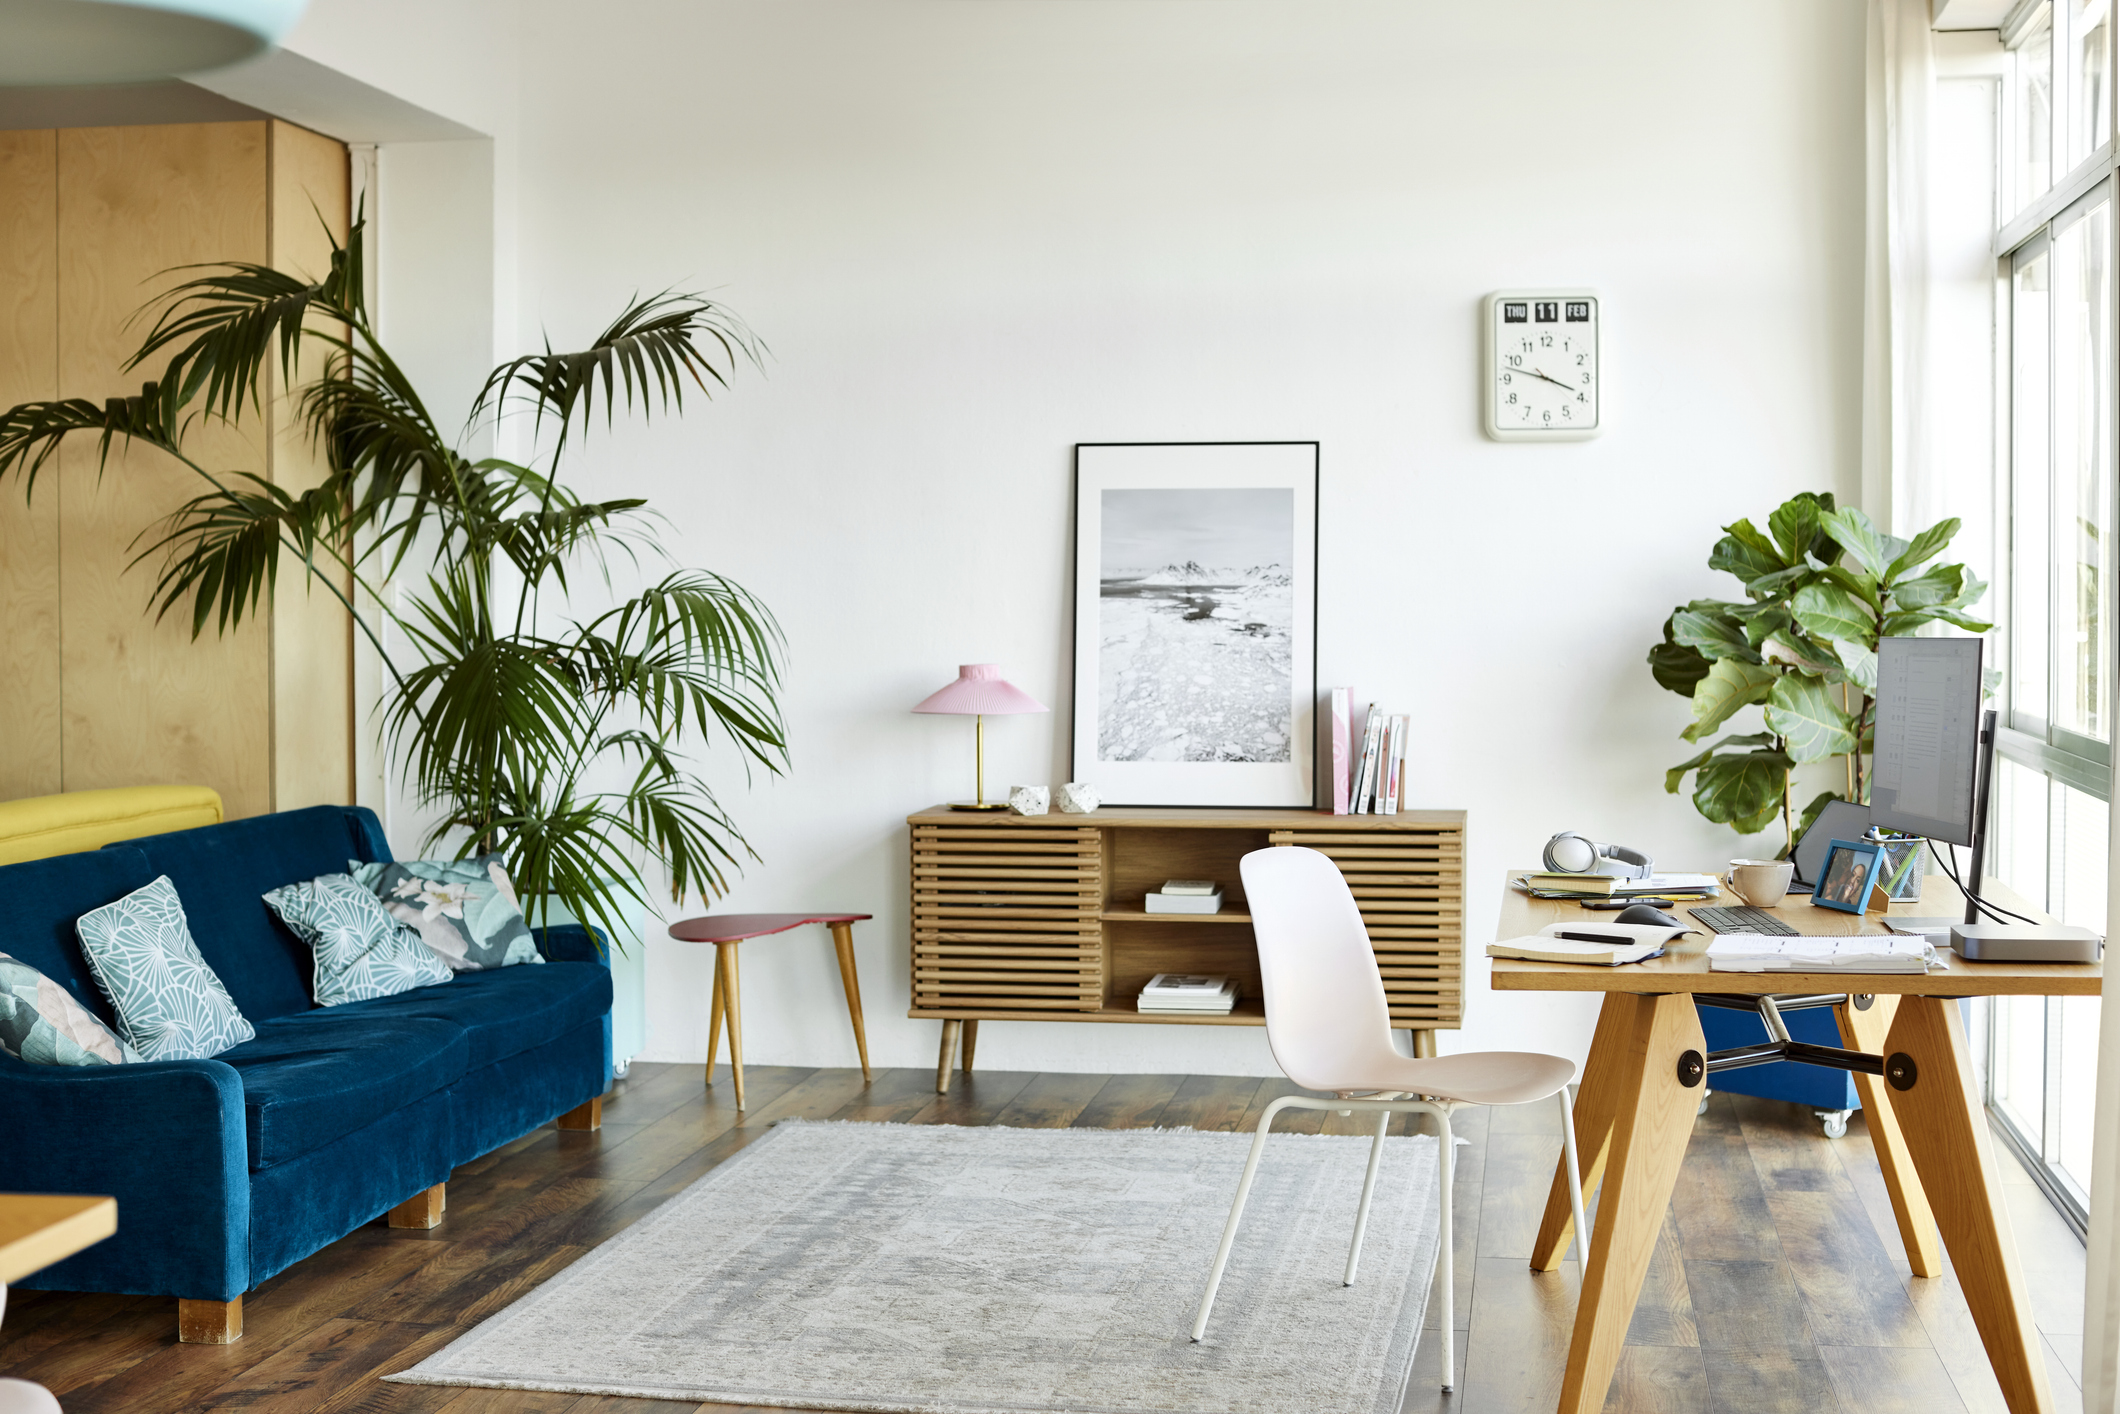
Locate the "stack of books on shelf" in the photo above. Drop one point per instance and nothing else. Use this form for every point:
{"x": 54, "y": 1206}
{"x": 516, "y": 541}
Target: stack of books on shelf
{"x": 1368, "y": 779}
{"x": 1185, "y": 896}
{"x": 1188, "y": 992}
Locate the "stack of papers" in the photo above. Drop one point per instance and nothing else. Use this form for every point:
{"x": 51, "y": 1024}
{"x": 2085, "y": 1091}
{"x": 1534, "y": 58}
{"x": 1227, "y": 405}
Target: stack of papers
{"x": 1758, "y": 952}
{"x": 1188, "y": 992}
{"x": 1601, "y": 944}
{"x": 1601, "y": 885}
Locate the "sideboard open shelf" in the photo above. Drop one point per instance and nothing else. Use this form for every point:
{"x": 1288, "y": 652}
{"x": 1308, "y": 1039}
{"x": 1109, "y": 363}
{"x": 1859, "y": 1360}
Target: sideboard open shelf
{"x": 1041, "y": 917}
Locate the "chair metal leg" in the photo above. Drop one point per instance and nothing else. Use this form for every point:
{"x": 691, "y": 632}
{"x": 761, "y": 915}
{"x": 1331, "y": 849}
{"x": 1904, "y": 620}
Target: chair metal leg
{"x": 1236, "y": 1215}
{"x": 1575, "y": 1178}
{"x": 1369, "y": 1188}
{"x": 1446, "y": 1170}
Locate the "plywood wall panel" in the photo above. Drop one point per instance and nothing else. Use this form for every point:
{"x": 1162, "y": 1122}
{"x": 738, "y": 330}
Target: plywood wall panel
{"x": 29, "y": 530}
{"x": 312, "y": 637}
{"x": 145, "y": 703}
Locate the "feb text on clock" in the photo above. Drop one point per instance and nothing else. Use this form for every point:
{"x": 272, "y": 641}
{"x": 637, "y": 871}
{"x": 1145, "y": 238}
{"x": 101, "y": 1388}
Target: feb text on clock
{"x": 1542, "y": 366}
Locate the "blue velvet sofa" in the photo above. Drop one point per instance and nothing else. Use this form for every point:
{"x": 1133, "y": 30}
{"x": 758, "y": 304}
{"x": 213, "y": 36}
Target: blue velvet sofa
{"x": 231, "y": 1169}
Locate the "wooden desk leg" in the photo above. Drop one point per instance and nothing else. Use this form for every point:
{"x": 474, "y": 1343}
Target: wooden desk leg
{"x": 732, "y": 1006}
{"x": 971, "y": 1043}
{"x": 850, "y": 982}
{"x": 1594, "y": 1104}
{"x": 1864, "y": 1029}
{"x": 714, "y": 1016}
{"x": 949, "y": 1054}
{"x": 1651, "y": 1124}
{"x": 1947, "y": 1135}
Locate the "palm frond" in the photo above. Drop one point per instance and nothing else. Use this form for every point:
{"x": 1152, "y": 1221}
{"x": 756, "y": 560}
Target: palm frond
{"x": 227, "y": 323}
{"x": 693, "y": 652}
{"x": 646, "y": 356}
{"x": 30, "y": 433}
{"x": 222, "y": 548}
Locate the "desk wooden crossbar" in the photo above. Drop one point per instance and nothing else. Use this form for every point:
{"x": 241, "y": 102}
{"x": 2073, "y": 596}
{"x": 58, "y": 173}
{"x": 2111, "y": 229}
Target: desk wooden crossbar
{"x": 1641, "y": 1088}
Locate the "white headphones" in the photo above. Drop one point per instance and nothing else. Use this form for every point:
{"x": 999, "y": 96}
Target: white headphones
{"x": 1569, "y": 853}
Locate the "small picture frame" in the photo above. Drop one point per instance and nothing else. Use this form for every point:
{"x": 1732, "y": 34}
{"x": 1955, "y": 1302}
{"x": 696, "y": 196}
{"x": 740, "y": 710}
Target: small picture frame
{"x": 1848, "y": 876}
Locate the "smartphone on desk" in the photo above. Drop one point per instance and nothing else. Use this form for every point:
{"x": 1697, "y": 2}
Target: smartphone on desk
{"x": 1613, "y": 905}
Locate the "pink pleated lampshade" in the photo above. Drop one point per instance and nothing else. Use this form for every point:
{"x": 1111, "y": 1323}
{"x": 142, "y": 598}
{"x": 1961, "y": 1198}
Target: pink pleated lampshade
{"x": 980, "y": 689}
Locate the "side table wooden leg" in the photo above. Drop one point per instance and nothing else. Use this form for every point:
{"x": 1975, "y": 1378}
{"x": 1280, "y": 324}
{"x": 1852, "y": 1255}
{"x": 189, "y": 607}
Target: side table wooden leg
{"x": 209, "y": 1322}
{"x": 971, "y": 1043}
{"x": 949, "y": 1053}
{"x": 734, "y": 1010}
{"x": 1947, "y": 1136}
{"x": 850, "y": 981}
{"x": 715, "y": 1011}
{"x": 1424, "y": 1043}
{"x": 1651, "y": 1124}
{"x": 1595, "y": 1100}
{"x": 1865, "y": 1029}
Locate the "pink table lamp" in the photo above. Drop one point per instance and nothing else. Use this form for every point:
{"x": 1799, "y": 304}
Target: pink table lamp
{"x": 978, "y": 691}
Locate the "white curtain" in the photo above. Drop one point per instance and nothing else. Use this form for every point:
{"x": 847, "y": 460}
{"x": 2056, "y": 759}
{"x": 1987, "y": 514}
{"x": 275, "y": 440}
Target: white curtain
{"x": 1902, "y": 65}
{"x": 2101, "y": 1283}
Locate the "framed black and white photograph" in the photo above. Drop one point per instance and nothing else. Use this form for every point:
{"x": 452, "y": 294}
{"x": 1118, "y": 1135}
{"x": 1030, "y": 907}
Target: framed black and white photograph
{"x": 1196, "y": 590}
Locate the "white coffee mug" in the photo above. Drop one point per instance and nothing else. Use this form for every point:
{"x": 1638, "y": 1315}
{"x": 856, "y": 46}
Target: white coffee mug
{"x": 1760, "y": 882}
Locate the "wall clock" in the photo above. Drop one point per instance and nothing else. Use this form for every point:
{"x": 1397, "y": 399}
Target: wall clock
{"x": 1542, "y": 366}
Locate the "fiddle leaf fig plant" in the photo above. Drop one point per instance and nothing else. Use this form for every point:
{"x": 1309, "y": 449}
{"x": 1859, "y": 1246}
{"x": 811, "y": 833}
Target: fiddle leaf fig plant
{"x": 1822, "y": 584}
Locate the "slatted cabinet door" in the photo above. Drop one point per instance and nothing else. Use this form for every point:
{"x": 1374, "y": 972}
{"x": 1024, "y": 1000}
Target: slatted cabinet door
{"x": 1005, "y": 918}
{"x": 1410, "y": 885}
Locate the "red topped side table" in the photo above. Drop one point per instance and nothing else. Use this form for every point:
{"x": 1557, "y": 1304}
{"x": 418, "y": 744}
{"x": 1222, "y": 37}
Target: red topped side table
{"x": 725, "y": 931}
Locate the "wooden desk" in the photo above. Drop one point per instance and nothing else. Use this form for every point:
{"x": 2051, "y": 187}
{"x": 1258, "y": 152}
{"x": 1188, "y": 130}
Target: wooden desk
{"x": 38, "y": 1229}
{"x": 1636, "y": 1107}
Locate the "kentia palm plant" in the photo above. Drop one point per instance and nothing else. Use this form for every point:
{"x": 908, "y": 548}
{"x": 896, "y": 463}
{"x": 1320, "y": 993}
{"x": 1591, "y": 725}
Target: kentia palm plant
{"x": 559, "y": 743}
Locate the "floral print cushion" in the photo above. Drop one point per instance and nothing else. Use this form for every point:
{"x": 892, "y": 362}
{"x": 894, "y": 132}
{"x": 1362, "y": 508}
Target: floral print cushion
{"x": 170, "y": 1005}
{"x": 41, "y": 1023}
{"x": 464, "y": 909}
{"x": 361, "y": 951}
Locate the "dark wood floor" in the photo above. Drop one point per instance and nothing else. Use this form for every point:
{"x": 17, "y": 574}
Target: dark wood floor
{"x": 1779, "y": 1284}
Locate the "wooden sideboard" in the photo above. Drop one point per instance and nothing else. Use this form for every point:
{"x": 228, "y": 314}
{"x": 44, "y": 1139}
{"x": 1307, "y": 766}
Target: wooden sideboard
{"x": 1041, "y": 917}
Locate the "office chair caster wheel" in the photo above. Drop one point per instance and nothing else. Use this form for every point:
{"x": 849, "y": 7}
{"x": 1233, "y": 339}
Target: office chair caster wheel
{"x": 1836, "y": 1122}
{"x": 1704, "y": 1094}
{"x": 620, "y": 1069}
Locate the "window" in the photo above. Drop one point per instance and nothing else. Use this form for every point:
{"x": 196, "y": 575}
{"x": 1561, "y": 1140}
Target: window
{"x": 2049, "y": 825}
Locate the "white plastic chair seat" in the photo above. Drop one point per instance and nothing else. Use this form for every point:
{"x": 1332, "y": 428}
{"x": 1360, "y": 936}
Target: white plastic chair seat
{"x": 1477, "y": 1078}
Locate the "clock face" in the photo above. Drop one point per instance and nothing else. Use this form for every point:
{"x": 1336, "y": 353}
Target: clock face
{"x": 1543, "y": 378}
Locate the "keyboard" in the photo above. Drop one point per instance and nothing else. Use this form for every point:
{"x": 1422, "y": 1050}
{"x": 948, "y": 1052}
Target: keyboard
{"x": 1743, "y": 920}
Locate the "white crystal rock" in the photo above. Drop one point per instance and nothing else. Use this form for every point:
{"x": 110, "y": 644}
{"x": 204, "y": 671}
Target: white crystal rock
{"x": 1029, "y": 800}
{"x": 1079, "y": 799}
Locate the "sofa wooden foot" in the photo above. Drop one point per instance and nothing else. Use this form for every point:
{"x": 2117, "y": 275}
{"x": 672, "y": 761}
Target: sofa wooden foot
{"x": 210, "y": 1322}
{"x": 422, "y": 1210}
{"x": 587, "y": 1115}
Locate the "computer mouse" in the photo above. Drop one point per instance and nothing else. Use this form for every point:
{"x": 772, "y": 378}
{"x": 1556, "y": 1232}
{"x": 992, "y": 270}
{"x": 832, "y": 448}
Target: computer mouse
{"x": 1642, "y": 914}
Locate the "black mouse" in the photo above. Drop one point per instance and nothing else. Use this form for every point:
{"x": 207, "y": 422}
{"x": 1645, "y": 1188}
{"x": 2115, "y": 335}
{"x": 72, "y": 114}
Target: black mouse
{"x": 1642, "y": 914}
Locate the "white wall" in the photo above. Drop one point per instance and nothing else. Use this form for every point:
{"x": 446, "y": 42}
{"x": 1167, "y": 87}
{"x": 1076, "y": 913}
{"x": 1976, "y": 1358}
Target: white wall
{"x": 975, "y": 234}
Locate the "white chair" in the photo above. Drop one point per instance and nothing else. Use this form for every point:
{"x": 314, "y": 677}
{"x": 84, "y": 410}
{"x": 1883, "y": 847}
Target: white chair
{"x": 1330, "y": 1029}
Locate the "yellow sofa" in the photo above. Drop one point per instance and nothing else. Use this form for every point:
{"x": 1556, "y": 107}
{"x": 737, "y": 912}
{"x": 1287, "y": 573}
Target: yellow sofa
{"x": 41, "y": 826}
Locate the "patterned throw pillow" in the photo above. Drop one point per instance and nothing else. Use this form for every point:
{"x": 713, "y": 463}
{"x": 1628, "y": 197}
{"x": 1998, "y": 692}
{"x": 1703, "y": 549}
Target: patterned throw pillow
{"x": 41, "y": 1023}
{"x": 464, "y": 909}
{"x": 170, "y": 1005}
{"x": 361, "y": 950}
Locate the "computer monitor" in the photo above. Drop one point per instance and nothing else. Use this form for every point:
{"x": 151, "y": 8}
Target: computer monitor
{"x": 1928, "y": 737}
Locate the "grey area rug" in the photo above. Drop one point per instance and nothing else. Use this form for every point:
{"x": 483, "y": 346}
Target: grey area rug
{"x": 942, "y": 1270}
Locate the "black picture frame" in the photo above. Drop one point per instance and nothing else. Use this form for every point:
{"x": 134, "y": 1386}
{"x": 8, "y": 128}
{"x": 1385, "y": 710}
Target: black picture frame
{"x": 1223, "y": 736}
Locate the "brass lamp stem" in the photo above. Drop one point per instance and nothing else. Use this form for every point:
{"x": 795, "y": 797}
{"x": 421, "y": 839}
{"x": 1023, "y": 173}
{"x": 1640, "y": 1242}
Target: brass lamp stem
{"x": 979, "y": 735}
